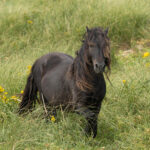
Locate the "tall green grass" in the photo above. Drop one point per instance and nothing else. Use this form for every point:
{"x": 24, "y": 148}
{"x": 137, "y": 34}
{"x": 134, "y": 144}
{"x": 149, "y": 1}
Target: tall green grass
{"x": 29, "y": 29}
{"x": 63, "y": 22}
{"x": 123, "y": 121}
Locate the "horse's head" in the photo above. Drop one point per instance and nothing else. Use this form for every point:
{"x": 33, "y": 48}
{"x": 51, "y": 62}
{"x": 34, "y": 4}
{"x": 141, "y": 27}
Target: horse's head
{"x": 98, "y": 49}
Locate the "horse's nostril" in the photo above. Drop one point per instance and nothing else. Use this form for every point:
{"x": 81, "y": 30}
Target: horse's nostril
{"x": 96, "y": 65}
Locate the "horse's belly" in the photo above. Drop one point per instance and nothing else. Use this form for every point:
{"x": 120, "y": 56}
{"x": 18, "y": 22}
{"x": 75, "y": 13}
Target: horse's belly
{"x": 55, "y": 88}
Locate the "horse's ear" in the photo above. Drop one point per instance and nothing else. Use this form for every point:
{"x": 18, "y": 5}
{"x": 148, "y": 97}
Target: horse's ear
{"x": 106, "y": 31}
{"x": 87, "y": 29}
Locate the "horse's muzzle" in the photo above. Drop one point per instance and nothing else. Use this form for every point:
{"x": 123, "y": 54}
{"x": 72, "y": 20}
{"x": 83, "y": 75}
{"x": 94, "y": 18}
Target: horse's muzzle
{"x": 99, "y": 67}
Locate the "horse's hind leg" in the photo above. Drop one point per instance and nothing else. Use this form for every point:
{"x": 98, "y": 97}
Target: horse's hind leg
{"x": 50, "y": 112}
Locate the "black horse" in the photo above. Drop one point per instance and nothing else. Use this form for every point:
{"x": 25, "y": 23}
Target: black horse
{"x": 74, "y": 84}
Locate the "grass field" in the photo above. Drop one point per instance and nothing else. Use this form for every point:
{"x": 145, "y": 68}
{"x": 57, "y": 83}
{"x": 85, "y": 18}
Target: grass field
{"x": 29, "y": 29}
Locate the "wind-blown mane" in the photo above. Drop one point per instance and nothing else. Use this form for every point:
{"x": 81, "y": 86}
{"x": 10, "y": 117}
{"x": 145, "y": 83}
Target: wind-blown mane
{"x": 81, "y": 68}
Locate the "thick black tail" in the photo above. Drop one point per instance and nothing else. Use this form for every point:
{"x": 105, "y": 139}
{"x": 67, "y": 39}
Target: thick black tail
{"x": 29, "y": 96}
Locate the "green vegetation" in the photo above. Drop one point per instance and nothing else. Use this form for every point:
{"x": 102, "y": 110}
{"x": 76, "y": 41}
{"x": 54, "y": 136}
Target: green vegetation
{"x": 29, "y": 29}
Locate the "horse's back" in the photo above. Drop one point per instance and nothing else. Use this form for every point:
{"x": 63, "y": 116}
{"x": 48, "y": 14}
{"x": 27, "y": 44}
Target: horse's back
{"x": 46, "y": 63}
{"x": 55, "y": 60}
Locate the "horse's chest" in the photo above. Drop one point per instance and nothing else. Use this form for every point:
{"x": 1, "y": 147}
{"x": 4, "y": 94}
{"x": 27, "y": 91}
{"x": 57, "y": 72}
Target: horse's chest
{"x": 100, "y": 92}
{"x": 91, "y": 98}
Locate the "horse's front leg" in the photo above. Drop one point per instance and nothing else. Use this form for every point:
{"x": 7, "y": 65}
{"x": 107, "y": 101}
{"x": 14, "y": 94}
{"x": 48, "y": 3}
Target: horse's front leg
{"x": 91, "y": 117}
{"x": 89, "y": 113}
{"x": 91, "y": 127}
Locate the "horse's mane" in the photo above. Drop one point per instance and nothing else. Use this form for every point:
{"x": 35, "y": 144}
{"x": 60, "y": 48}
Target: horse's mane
{"x": 81, "y": 68}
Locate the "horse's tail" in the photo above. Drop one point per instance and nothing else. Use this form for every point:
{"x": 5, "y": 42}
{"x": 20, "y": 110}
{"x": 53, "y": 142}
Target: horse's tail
{"x": 29, "y": 96}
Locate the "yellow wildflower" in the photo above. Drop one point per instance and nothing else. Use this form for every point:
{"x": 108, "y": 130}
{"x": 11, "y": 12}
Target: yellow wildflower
{"x": 22, "y": 92}
{"x": 146, "y": 54}
{"x": 124, "y": 81}
{"x": 30, "y": 22}
{"x": 53, "y": 119}
{"x": 1, "y": 89}
{"x": 14, "y": 97}
{"x": 29, "y": 69}
{"x": 6, "y": 93}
